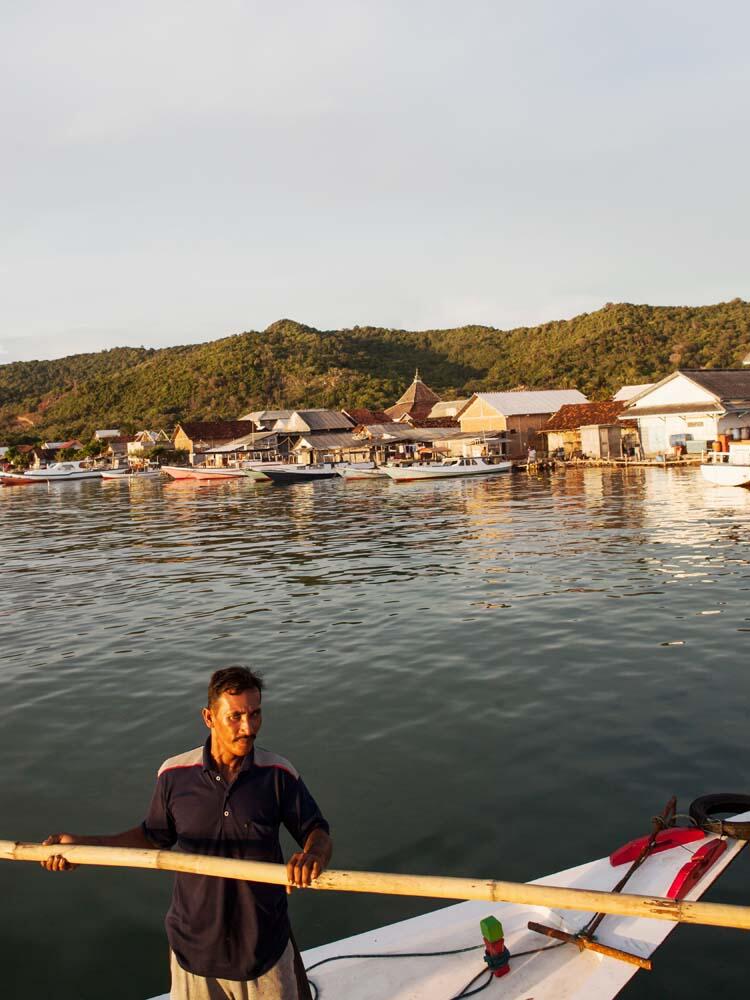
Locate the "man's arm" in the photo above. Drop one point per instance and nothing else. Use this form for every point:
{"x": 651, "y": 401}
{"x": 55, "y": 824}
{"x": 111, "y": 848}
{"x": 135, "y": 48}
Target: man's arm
{"x": 305, "y": 866}
{"x": 128, "y": 838}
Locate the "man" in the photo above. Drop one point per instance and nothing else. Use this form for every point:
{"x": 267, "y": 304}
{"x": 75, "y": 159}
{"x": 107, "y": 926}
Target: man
{"x": 229, "y": 938}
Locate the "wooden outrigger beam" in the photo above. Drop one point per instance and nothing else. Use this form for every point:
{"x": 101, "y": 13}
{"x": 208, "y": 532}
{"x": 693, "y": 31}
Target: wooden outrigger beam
{"x": 430, "y": 886}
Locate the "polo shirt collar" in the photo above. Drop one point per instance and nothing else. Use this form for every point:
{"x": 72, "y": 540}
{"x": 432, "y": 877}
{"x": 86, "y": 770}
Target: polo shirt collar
{"x": 208, "y": 761}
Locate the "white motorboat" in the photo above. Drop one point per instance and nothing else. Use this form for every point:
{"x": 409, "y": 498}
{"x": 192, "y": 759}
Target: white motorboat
{"x": 436, "y": 956}
{"x": 728, "y": 468}
{"x": 449, "y": 468}
{"x": 58, "y": 472}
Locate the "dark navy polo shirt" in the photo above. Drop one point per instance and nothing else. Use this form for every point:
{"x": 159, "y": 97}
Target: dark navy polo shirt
{"x": 221, "y": 927}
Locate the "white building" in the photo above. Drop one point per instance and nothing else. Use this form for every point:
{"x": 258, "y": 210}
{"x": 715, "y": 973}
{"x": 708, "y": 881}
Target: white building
{"x": 693, "y": 407}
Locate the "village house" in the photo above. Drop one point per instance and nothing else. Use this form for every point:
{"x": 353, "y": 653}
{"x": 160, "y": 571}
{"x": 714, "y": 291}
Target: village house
{"x": 49, "y": 451}
{"x": 361, "y": 416}
{"x": 692, "y": 408}
{"x": 446, "y": 408}
{"x": 265, "y": 419}
{"x": 143, "y": 441}
{"x": 338, "y": 447}
{"x": 31, "y": 454}
{"x": 397, "y": 441}
{"x": 416, "y": 402}
{"x": 108, "y": 434}
{"x": 258, "y": 446}
{"x": 590, "y": 430}
{"x": 198, "y": 436}
{"x": 312, "y": 422}
{"x": 117, "y": 448}
{"x": 521, "y": 414}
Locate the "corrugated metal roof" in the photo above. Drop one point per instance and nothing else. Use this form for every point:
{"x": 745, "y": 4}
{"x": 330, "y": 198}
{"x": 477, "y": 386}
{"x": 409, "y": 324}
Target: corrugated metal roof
{"x": 727, "y": 384}
{"x": 393, "y": 433}
{"x": 259, "y": 415}
{"x": 322, "y": 442}
{"x": 730, "y": 387}
{"x": 247, "y": 443}
{"x": 324, "y": 420}
{"x": 706, "y": 407}
{"x": 517, "y": 404}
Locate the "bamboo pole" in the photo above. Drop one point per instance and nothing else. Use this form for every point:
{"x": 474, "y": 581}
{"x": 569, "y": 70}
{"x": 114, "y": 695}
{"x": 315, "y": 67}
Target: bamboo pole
{"x": 429, "y": 886}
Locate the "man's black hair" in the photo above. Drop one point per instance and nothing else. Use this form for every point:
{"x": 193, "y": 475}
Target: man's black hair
{"x": 233, "y": 680}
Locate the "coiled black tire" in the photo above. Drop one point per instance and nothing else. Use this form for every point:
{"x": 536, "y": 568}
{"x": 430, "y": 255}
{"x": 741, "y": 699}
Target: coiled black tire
{"x": 707, "y": 806}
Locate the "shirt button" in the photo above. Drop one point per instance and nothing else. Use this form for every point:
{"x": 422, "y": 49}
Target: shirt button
{"x": 218, "y": 777}
{"x": 226, "y": 813}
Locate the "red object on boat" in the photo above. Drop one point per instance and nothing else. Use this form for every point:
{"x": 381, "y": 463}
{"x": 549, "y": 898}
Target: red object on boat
{"x": 496, "y": 949}
{"x": 696, "y": 868}
{"x": 665, "y": 840}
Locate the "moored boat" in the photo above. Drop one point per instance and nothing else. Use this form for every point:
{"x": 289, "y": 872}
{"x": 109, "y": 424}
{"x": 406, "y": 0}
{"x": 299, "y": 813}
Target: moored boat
{"x": 730, "y": 468}
{"x": 450, "y": 468}
{"x": 202, "y": 472}
{"x": 440, "y": 955}
{"x": 128, "y": 473}
{"x": 257, "y": 470}
{"x": 300, "y": 473}
{"x": 356, "y": 472}
{"x": 58, "y": 472}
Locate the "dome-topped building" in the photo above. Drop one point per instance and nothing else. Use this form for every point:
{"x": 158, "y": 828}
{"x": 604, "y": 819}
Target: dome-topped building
{"x": 417, "y": 401}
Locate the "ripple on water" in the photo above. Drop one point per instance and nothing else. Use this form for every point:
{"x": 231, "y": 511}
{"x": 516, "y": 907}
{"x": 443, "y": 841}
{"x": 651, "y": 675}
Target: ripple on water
{"x": 450, "y": 664}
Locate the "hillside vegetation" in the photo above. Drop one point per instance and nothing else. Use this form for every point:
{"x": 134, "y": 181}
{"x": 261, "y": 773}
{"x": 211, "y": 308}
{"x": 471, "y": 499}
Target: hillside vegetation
{"x": 293, "y": 365}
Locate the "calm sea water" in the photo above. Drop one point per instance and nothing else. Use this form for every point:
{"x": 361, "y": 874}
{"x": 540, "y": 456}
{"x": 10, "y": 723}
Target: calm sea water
{"x": 492, "y": 677}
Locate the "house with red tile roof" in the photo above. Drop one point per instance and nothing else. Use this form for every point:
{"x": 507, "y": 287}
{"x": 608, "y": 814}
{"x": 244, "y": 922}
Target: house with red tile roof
{"x": 593, "y": 430}
{"x": 362, "y": 417}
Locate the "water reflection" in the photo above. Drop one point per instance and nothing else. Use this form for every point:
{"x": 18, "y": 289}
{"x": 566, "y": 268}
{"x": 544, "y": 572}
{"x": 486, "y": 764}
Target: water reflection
{"x": 579, "y": 629}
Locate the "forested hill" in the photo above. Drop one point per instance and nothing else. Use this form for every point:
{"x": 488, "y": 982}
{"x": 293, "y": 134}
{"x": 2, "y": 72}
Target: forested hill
{"x": 292, "y": 365}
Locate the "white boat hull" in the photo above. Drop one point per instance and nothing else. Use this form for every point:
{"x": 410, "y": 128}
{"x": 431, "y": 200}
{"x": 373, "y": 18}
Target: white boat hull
{"x": 130, "y": 474}
{"x": 725, "y": 474}
{"x": 51, "y": 475}
{"x": 198, "y": 472}
{"x": 559, "y": 973}
{"x": 356, "y": 472}
{"x": 361, "y": 474}
{"x": 413, "y": 473}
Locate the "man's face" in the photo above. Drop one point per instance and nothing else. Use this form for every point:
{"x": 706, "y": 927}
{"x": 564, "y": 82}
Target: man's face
{"x": 234, "y": 721}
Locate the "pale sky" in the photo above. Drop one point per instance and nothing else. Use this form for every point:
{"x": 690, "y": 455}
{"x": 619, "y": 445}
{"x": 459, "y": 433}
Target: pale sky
{"x": 175, "y": 172}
